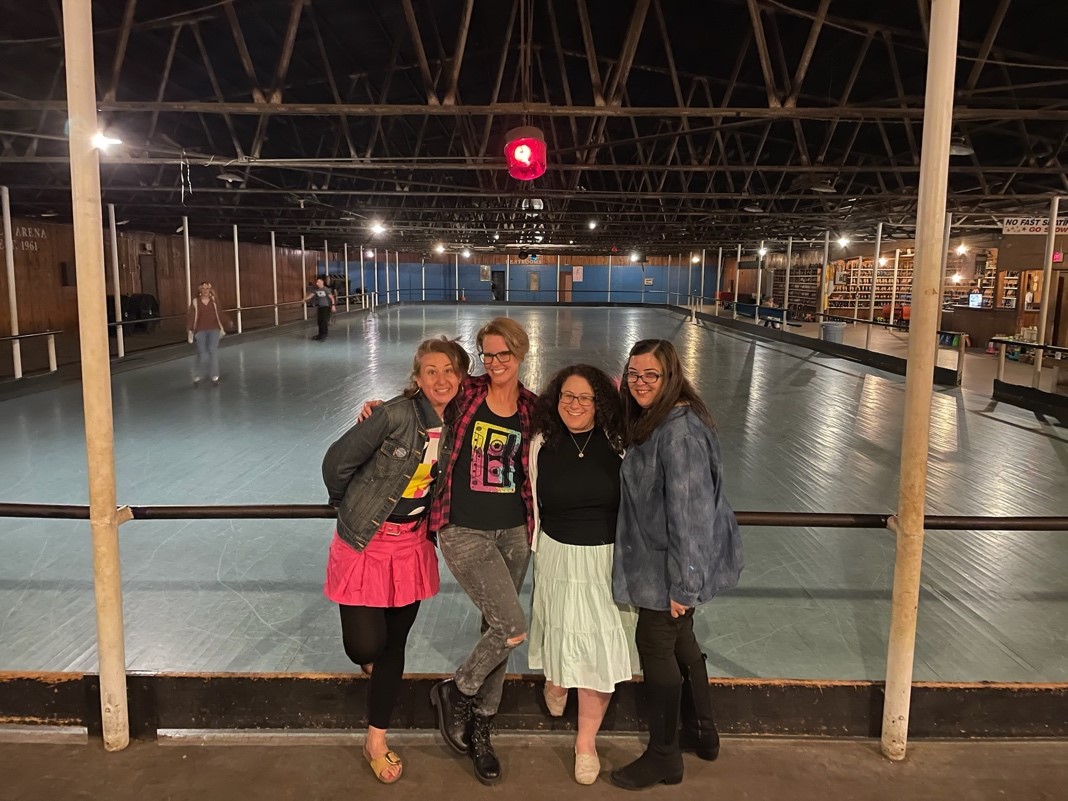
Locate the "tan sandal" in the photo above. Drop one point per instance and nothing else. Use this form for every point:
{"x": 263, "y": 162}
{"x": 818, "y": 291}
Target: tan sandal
{"x": 383, "y": 763}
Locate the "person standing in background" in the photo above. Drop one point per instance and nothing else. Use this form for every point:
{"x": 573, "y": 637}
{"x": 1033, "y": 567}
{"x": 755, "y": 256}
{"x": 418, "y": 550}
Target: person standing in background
{"x": 206, "y": 324}
{"x": 324, "y": 301}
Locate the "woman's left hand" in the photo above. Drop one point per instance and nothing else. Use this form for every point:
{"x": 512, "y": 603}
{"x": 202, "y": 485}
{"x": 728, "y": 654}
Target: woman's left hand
{"x": 678, "y": 610}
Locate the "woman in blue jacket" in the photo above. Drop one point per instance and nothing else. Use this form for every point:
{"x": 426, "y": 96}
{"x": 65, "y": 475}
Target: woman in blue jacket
{"x": 677, "y": 545}
{"x": 380, "y": 475}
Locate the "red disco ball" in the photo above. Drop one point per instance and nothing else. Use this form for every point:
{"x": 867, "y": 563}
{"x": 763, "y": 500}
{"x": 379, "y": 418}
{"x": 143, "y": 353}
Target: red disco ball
{"x": 525, "y": 152}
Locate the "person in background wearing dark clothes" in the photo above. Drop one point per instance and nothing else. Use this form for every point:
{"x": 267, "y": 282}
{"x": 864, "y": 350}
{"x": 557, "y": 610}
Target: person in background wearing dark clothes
{"x": 579, "y": 636}
{"x": 380, "y": 475}
{"x": 206, "y": 324}
{"x": 677, "y": 545}
{"x": 324, "y": 301}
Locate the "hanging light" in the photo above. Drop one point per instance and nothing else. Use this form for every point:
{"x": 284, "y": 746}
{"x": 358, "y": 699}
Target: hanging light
{"x": 958, "y": 146}
{"x": 634, "y": 255}
{"x": 526, "y": 153}
{"x": 762, "y": 252}
{"x": 962, "y": 249}
{"x": 377, "y": 228}
{"x": 753, "y": 208}
{"x": 592, "y": 224}
{"x": 843, "y": 241}
{"x": 369, "y": 253}
{"x": 233, "y": 177}
{"x": 466, "y": 253}
{"x": 439, "y": 248}
{"x": 824, "y": 187}
{"x": 695, "y": 259}
{"x": 101, "y": 141}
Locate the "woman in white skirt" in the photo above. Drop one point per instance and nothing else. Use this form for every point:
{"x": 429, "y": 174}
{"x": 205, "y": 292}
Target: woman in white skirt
{"x": 579, "y": 636}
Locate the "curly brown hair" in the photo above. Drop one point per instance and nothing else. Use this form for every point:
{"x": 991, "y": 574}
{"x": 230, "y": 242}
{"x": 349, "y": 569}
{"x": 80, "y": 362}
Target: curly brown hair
{"x": 455, "y": 352}
{"x": 608, "y": 412}
{"x": 676, "y": 390}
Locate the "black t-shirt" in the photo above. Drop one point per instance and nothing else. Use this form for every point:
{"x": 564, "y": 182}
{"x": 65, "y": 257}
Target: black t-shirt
{"x": 488, "y": 475}
{"x": 579, "y": 497}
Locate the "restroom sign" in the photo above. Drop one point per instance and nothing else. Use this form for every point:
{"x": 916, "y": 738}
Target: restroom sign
{"x": 1031, "y": 225}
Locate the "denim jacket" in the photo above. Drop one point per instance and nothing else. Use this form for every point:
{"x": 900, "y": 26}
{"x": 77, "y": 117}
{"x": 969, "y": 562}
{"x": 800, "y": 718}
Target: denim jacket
{"x": 677, "y": 538}
{"x": 368, "y": 468}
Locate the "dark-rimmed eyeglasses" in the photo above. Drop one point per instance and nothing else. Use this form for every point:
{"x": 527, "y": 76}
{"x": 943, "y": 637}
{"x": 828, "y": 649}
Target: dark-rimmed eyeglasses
{"x": 648, "y": 377}
{"x": 585, "y": 401}
{"x": 502, "y": 357}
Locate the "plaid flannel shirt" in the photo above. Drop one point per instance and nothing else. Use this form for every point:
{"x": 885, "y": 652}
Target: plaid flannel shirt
{"x": 470, "y": 398}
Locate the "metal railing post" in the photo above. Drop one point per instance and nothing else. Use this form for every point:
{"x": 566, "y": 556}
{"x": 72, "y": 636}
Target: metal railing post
{"x": 52, "y": 366}
{"x": 303, "y": 276}
{"x": 737, "y": 280}
{"x": 1001, "y": 361}
{"x": 12, "y": 297}
{"x": 274, "y": 277}
{"x": 116, "y": 298}
{"x": 1047, "y": 281}
{"x": 237, "y": 280}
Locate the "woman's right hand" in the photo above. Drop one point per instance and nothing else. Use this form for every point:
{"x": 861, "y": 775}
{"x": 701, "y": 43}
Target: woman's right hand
{"x": 368, "y": 407}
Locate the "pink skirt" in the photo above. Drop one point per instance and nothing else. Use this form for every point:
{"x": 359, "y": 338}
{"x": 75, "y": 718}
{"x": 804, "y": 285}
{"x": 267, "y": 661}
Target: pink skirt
{"x": 398, "y": 567}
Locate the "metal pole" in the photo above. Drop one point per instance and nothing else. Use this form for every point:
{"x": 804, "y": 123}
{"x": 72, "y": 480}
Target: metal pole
{"x": 274, "y": 277}
{"x": 1047, "y": 285}
{"x": 786, "y": 288}
{"x": 737, "y": 279}
{"x": 689, "y": 274}
{"x": 557, "y": 277}
{"x": 12, "y": 297}
{"x": 363, "y": 282}
{"x": 825, "y": 272}
{"x": 237, "y": 280}
{"x": 347, "y": 293}
{"x": 760, "y": 278}
{"x": 702, "y": 290}
{"x": 188, "y": 261}
{"x": 387, "y": 276}
{"x": 1001, "y": 361}
{"x": 919, "y": 376}
{"x": 609, "y": 277}
{"x": 456, "y": 276}
{"x": 396, "y": 272}
{"x": 507, "y": 276}
{"x": 116, "y": 300}
{"x": 104, "y": 516}
{"x": 719, "y": 277}
{"x": 303, "y": 276}
{"x": 422, "y": 269}
{"x": 375, "y": 254}
{"x": 945, "y": 264}
{"x": 874, "y": 284}
{"x": 893, "y": 285}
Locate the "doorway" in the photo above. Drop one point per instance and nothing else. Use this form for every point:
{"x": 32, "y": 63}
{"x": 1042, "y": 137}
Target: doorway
{"x": 565, "y": 287}
{"x": 497, "y": 285}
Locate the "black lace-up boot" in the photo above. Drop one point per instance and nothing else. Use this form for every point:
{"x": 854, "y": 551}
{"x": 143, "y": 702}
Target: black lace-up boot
{"x": 487, "y": 766}
{"x": 454, "y": 714}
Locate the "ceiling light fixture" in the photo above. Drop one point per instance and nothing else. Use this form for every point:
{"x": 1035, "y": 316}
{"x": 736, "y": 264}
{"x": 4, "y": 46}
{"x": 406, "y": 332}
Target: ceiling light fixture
{"x": 634, "y": 256}
{"x": 843, "y": 241}
{"x": 753, "y": 208}
{"x": 962, "y": 249}
{"x": 695, "y": 259}
{"x": 231, "y": 177}
{"x": 369, "y": 253}
{"x": 466, "y": 253}
{"x": 958, "y": 146}
{"x": 101, "y": 141}
{"x": 49, "y": 213}
{"x": 592, "y": 224}
{"x": 824, "y": 187}
{"x": 439, "y": 248}
{"x": 377, "y": 228}
{"x": 762, "y": 252}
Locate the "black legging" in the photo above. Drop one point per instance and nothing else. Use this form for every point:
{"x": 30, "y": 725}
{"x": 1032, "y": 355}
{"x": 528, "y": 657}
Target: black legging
{"x": 376, "y": 635}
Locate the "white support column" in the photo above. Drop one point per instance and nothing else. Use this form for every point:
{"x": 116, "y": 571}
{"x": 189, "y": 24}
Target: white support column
{"x": 104, "y": 516}
{"x": 786, "y": 288}
{"x": 874, "y": 283}
{"x": 719, "y": 277}
{"x": 737, "y": 280}
{"x": 456, "y": 276}
{"x": 116, "y": 295}
{"x": 387, "y": 276}
{"x": 825, "y": 272}
{"x": 188, "y": 261}
{"x": 919, "y": 377}
{"x": 422, "y": 269}
{"x": 557, "y": 277}
{"x": 609, "y": 277}
{"x": 1047, "y": 286}
{"x": 303, "y": 276}
{"x": 507, "y": 276}
{"x": 760, "y": 278}
{"x": 347, "y": 293}
{"x": 237, "y": 280}
{"x": 274, "y": 277}
{"x": 702, "y": 290}
{"x": 12, "y": 295}
{"x": 363, "y": 282}
{"x": 893, "y": 284}
{"x": 376, "y": 276}
{"x": 396, "y": 272}
{"x": 689, "y": 276}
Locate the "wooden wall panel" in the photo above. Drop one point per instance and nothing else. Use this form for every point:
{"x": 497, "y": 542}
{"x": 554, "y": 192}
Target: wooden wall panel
{"x": 40, "y": 248}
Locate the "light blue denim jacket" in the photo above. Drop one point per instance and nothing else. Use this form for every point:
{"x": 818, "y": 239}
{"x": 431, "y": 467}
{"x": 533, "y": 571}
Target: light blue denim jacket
{"x": 677, "y": 537}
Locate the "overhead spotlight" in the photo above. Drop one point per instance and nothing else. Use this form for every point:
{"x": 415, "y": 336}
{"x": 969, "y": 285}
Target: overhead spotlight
{"x": 762, "y": 252}
{"x": 957, "y": 278}
{"x": 843, "y": 241}
{"x": 466, "y": 253}
{"x": 958, "y": 146}
{"x": 883, "y": 261}
{"x": 439, "y": 248}
{"x": 233, "y": 177}
{"x": 122, "y": 222}
{"x": 49, "y": 213}
{"x": 369, "y": 253}
{"x": 753, "y": 208}
{"x": 962, "y": 249}
{"x": 571, "y": 241}
{"x": 634, "y": 255}
{"x": 496, "y": 237}
{"x": 101, "y": 141}
{"x": 592, "y": 224}
{"x": 523, "y": 255}
{"x": 824, "y": 188}
{"x": 377, "y": 228}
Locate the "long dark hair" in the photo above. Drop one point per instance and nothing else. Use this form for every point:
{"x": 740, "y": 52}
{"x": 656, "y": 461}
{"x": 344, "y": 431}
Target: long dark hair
{"x": 608, "y": 414}
{"x": 675, "y": 389}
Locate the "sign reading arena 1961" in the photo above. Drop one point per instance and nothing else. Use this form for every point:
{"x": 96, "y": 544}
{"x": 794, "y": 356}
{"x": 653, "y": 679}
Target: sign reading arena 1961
{"x": 1031, "y": 225}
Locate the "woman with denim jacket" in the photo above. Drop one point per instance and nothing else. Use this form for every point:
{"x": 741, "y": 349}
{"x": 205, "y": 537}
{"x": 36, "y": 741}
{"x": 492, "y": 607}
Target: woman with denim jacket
{"x": 382, "y": 563}
{"x": 677, "y": 545}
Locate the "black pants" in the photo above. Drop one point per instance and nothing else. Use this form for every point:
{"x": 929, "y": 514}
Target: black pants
{"x": 322, "y": 316}
{"x": 666, "y": 645}
{"x": 373, "y": 635}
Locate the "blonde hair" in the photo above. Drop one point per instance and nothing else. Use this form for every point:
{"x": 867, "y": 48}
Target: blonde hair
{"x": 461, "y": 362}
{"x": 513, "y": 334}
{"x": 211, "y": 289}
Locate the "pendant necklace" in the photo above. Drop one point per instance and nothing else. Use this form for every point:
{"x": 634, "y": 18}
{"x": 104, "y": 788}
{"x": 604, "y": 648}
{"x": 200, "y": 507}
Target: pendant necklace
{"x": 582, "y": 450}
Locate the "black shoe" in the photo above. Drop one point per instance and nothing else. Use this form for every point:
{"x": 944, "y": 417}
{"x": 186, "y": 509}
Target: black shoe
{"x": 487, "y": 766}
{"x": 662, "y": 761}
{"x": 698, "y": 734}
{"x": 454, "y": 714}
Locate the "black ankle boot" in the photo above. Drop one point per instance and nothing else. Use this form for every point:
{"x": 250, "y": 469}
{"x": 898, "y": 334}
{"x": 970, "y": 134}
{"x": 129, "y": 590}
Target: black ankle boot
{"x": 698, "y": 734}
{"x": 487, "y": 766}
{"x": 662, "y": 761}
{"x": 454, "y": 714}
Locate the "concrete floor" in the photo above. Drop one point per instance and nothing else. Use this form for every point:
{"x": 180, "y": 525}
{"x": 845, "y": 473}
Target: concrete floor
{"x": 535, "y": 769}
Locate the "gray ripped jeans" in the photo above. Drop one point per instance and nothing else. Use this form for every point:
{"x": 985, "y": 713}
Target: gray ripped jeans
{"x": 490, "y": 566}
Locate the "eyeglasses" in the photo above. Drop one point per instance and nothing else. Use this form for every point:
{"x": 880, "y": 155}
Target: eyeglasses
{"x": 567, "y": 398}
{"x": 503, "y": 357}
{"x": 648, "y": 377}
